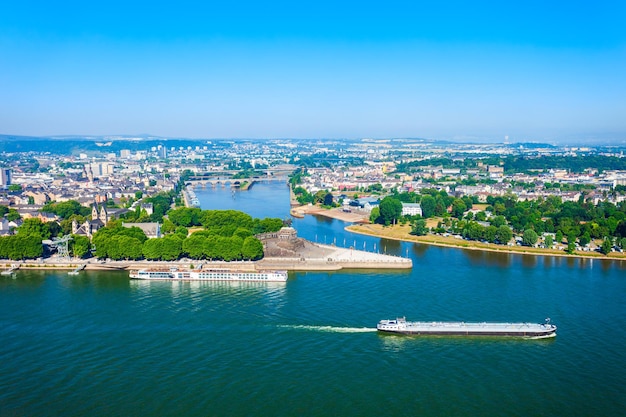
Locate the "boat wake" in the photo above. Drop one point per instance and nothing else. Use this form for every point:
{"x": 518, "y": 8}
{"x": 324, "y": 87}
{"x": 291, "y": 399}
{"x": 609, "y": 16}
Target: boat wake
{"x": 332, "y": 329}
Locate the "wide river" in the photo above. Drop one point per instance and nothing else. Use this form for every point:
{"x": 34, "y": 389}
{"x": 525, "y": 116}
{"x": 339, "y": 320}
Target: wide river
{"x": 98, "y": 344}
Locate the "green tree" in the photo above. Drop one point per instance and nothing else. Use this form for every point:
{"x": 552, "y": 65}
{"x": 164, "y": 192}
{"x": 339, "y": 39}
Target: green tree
{"x": 80, "y": 246}
{"x": 168, "y": 226}
{"x": 571, "y": 237}
{"x": 504, "y": 234}
{"x": 584, "y": 239}
{"x": 390, "y": 210}
{"x": 252, "y": 248}
{"x": 548, "y": 241}
{"x": 270, "y": 224}
{"x": 25, "y": 247}
{"x": 152, "y": 249}
{"x": 172, "y": 247}
{"x": 242, "y": 233}
{"x": 34, "y": 227}
{"x": 481, "y": 216}
{"x": 530, "y": 237}
{"x": 473, "y": 231}
{"x": 66, "y": 209}
{"x": 428, "y": 204}
{"x": 193, "y": 246}
{"x": 375, "y": 215}
{"x": 319, "y": 196}
{"x": 220, "y": 218}
{"x": 211, "y": 247}
{"x": 328, "y": 199}
{"x": 54, "y": 228}
{"x": 230, "y": 248}
{"x": 419, "y": 228}
{"x": 497, "y": 220}
{"x": 185, "y": 216}
{"x": 458, "y": 208}
{"x": 607, "y": 245}
{"x": 182, "y": 231}
{"x": 499, "y": 208}
{"x": 491, "y": 233}
{"x": 559, "y": 237}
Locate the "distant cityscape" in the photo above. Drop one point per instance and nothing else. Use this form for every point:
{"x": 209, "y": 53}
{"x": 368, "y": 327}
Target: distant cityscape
{"x": 96, "y": 172}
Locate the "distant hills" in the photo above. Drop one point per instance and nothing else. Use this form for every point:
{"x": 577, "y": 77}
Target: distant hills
{"x": 74, "y": 144}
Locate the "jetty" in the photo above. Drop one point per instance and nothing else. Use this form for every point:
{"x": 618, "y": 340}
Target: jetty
{"x": 77, "y": 269}
{"x": 11, "y": 270}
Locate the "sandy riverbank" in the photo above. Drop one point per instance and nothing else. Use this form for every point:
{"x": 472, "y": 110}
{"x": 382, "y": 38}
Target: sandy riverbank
{"x": 401, "y": 232}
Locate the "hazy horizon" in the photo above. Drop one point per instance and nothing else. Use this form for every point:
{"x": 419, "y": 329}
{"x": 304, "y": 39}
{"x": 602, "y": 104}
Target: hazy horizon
{"x": 462, "y": 72}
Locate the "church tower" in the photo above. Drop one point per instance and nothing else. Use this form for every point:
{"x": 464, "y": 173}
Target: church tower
{"x": 104, "y": 215}
{"x": 94, "y": 211}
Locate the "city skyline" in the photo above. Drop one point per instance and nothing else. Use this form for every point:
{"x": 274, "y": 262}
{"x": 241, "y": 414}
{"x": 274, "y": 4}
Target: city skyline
{"x": 533, "y": 72}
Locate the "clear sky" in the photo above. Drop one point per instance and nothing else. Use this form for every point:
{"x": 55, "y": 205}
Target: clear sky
{"x": 533, "y": 70}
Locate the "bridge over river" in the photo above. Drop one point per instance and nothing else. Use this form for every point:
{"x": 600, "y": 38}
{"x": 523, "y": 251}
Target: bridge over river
{"x": 204, "y": 182}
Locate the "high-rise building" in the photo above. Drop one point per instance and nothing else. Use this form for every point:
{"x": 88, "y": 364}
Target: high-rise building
{"x": 101, "y": 169}
{"x": 5, "y": 177}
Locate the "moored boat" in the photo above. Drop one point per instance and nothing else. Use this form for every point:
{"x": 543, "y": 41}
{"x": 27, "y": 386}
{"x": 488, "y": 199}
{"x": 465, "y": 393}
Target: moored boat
{"x": 202, "y": 274}
{"x": 527, "y": 330}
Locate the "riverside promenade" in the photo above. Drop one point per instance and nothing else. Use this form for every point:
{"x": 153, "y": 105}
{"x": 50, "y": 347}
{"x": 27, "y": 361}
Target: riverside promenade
{"x": 310, "y": 257}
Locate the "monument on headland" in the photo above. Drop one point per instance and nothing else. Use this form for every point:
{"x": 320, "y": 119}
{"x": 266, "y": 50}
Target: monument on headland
{"x": 285, "y": 250}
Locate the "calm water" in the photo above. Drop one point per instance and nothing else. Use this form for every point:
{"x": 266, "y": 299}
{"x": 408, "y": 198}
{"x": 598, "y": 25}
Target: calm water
{"x": 98, "y": 344}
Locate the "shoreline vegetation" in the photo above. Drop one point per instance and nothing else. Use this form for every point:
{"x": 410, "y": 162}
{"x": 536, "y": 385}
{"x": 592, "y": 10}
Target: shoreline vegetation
{"x": 360, "y": 225}
{"x": 402, "y": 233}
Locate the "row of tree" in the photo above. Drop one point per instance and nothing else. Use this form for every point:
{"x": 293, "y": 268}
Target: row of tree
{"x": 580, "y": 222}
{"x": 19, "y": 247}
{"x": 520, "y": 164}
{"x": 224, "y": 222}
{"x": 121, "y": 243}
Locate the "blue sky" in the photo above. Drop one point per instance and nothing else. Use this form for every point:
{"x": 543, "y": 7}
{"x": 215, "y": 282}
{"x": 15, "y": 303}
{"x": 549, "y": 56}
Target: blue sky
{"x": 456, "y": 70}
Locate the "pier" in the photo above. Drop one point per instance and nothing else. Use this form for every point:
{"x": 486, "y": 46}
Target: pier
{"x": 11, "y": 270}
{"x": 77, "y": 269}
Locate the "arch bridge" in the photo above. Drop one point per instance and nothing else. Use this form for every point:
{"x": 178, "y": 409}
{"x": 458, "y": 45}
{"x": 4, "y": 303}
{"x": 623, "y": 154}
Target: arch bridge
{"x": 203, "y": 182}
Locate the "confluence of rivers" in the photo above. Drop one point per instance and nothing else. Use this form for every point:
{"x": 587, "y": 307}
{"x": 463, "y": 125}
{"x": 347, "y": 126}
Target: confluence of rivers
{"x": 99, "y": 344}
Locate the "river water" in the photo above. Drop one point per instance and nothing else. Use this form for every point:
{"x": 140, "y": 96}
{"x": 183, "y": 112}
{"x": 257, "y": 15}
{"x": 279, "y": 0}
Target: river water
{"x": 99, "y": 344}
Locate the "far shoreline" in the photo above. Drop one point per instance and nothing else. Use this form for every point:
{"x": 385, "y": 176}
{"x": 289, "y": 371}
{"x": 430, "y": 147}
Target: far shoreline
{"x": 434, "y": 240}
{"x": 360, "y": 225}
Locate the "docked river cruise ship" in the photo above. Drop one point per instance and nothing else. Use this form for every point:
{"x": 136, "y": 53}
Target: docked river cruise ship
{"x": 528, "y": 330}
{"x": 176, "y": 274}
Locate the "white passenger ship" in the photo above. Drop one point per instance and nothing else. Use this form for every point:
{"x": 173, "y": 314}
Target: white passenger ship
{"x": 221, "y": 274}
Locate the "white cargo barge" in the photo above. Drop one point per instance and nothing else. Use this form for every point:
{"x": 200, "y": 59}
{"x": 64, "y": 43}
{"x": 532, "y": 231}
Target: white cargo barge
{"x": 528, "y": 330}
{"x": 218, "y": 274}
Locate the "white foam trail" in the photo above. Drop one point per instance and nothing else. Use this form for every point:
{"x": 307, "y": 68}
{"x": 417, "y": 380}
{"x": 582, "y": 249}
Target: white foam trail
{"x": 333, "y": 329}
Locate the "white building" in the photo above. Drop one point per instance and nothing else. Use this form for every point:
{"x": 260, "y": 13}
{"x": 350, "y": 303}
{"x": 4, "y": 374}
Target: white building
{"x": 411, "y": 209}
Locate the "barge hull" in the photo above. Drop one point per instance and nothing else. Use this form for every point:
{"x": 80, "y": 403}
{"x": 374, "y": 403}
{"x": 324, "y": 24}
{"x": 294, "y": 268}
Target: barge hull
{"x": 468, "y": 333}
{"x": 527, "y": 330}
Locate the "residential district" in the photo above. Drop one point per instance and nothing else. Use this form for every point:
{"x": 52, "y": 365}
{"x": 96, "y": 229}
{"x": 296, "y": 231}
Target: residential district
{"x": 480, "y": 182}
